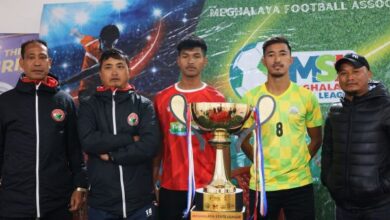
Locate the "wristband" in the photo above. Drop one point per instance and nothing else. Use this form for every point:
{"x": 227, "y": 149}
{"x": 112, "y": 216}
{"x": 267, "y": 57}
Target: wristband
{"x": 80, "y": 189}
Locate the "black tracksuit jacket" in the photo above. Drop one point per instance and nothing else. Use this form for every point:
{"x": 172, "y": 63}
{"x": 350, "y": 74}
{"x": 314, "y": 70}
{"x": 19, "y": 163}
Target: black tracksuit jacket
{"x": 356, "y": 151}
{"x": 40, "y": 153}
{"x": 123, "y": 184}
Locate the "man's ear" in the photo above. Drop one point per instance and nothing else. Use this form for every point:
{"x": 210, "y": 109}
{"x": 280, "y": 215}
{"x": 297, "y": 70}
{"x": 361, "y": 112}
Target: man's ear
{"x": 369, "y": 75}
{"x": 21, "y": 63}
{"x": 50, "y": 62}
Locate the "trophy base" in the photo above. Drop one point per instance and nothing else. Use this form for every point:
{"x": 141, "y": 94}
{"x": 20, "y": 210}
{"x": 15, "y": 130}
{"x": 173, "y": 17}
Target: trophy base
{"x": 219, "y": 202}
{"x": 210, "y": 215}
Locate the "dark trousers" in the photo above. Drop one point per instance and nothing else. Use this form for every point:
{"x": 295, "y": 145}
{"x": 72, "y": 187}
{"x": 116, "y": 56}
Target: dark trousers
{"x": 58, "y": 214}
{"x": 378, "y": 213}
{"x": 172, "y": 204}
{"x": 145, "y": 213}
{"x": 297, "y": 203}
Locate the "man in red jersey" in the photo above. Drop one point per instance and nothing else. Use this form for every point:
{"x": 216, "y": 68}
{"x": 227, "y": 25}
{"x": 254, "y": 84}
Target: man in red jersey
{"x": 173, "y": 156}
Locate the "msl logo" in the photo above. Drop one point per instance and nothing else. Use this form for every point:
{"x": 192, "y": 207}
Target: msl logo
{"x": 312, "y": 69}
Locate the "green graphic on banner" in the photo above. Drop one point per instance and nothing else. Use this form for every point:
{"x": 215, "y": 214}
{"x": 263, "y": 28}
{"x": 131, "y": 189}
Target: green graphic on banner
{"x": 320, "y": 32}
{"x": 322, "y": 29}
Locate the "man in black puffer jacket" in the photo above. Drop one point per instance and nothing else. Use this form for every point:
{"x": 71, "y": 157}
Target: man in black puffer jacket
{"x": 41, "y": 167}
{"x": 356, "y": 147}
{"x": 120, "y": 133}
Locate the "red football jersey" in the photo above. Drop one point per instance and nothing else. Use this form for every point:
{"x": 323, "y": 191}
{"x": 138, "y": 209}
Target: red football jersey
{"x": 174, "y": 152}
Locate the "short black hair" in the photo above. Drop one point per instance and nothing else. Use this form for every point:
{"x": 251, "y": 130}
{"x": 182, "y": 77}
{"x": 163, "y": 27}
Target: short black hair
{"x": 113, "y": 53}
{"x": 25, "y": 44}
{"x": 276, "y": 40}
{"x": 190, "y": 42}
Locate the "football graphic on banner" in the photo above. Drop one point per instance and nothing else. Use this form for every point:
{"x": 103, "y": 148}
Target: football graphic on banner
{"x": 247, "y": 71}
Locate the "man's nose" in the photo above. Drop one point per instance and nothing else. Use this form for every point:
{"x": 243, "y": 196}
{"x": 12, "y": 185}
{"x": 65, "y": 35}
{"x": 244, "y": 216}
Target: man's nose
{"x": 350, "y": 76}
{"x": 115, "y": 71}
{"x": 191, "y": 60}
{"x": 37, "y": 62}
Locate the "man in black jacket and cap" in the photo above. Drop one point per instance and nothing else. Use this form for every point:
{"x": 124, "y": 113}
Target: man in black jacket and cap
{"x": 356, "y": 147}
{"x": 41, "y": 167}
{"x": 120, "y": 133}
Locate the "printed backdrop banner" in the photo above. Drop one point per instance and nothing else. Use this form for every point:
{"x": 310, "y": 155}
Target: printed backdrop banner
{"x": 148, "y": 33}
{"x": 9, "y": 59}
{"x": 320, "y": 32}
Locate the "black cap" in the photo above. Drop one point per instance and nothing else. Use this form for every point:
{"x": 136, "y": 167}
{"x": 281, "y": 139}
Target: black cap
{"x": 355, "y": 59}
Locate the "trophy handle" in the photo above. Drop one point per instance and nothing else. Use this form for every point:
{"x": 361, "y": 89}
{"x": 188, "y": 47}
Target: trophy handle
{"x": 178, "y": 106}
{"x": 266, "y": 106}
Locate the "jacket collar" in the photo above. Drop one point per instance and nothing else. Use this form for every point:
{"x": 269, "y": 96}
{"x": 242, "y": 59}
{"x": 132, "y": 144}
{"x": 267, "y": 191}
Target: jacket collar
{"x": 27, "y": 85}
{"x": 112, "y": 89}
{"x": 106, "y": 93}
{"x": 49, "y": 82}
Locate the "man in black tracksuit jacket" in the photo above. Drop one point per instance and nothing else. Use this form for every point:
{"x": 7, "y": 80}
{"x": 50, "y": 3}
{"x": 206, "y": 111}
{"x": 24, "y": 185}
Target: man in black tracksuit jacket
{"x": 41, "y": 165}
{"x": 120, "y": 133}
{"x": 356, "y": 148}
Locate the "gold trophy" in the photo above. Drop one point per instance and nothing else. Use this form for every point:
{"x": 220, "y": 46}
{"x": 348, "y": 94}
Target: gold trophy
{"x": 221, "y": 119}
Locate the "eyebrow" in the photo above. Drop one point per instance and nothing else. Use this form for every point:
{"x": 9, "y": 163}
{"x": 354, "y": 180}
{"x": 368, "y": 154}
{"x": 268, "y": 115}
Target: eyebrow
{"x": 190, "y": 53}
{"x": 40, "y": 54}
{"x": 115, "y": 64}
{"x": 279, "y": 51}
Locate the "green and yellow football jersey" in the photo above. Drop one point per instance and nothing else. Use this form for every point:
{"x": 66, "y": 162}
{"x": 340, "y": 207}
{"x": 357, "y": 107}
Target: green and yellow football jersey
{"x": 286, "y": 156}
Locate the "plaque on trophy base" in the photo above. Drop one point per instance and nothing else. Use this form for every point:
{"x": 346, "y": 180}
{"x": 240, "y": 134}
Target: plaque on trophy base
{"x": 221, "y": 215}
{"x": 219, "y": 202}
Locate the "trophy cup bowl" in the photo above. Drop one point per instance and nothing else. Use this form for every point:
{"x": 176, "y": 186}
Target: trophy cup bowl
{"x": 221, "y": 119}
{"x": 213, "y": 115}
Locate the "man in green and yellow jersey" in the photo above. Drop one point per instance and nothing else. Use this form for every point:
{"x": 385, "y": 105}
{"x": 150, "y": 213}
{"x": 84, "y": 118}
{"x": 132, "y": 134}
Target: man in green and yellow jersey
{"x": 288, "y": 181}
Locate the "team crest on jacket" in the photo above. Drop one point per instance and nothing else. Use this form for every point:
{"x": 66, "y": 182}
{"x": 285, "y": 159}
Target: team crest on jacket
{"x": 132, "y": 119}
{"x": 58, "y": 115}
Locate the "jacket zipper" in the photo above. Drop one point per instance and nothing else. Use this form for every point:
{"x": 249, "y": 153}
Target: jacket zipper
{"x": 347, "y": 192}
{"x": 120, "y": 166}
{"x": 37, "y": 152}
